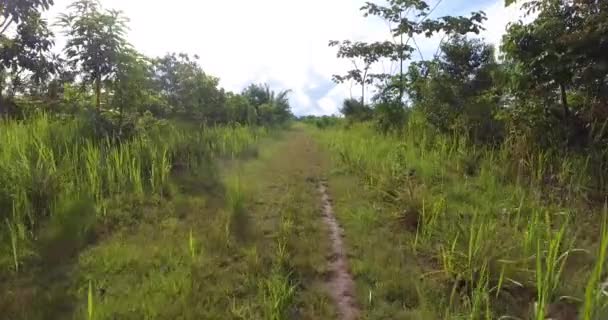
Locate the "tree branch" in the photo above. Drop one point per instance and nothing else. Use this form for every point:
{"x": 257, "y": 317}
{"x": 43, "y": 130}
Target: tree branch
{"x": 5, "y": 24}
{"x": 355, "y": 64}
{"x": 424, "y": 18}
{"x": 439, "y": 46}
{"x": 417, "y": 47}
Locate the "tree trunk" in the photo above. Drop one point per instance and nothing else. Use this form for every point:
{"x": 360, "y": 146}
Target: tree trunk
{"x": 98, "y": 92}
{"x": 1, "y": 99}
{"x": 121, "y": 119}
{"x": 401, "y": 72}
{"x": 2, "y": 79}
{"x": 564, "y": 97}
{"x": 257, "y": 115}
{"x": 363, "y": 93}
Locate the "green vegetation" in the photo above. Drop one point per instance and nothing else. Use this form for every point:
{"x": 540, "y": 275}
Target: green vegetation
{"x": 441, "y": 228}
{"x": 470, "y": 185}
{"x": 483, "y": 178}
{"x": 73, "y": 205}
{"x": 121, "y": 191}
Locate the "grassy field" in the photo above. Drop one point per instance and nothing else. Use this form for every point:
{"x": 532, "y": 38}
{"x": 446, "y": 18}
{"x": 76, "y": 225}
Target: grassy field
{"x": 242, "y": 252}
{"x": 225, "y": 223}
{"x": 179, "y": 223}
{"x": 440, "y": 230}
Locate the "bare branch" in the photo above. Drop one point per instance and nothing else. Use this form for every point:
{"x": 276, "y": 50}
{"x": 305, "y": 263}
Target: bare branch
{"x": 418, "y": 48}
{"x": 5, "y": 24}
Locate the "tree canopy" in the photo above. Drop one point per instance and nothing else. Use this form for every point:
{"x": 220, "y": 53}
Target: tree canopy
{"x": 99, "y": 69}
{"x": 25, "y": 42}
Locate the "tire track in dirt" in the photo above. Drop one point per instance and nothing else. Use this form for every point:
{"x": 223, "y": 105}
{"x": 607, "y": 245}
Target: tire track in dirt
{"x": 340, "y": 282}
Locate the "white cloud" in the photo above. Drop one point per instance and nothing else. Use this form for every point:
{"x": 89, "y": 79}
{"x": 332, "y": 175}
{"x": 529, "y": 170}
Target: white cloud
{"x": 280, "y": 41}
{"x": 301, "y": 102}
{"x": 327, "y": 106}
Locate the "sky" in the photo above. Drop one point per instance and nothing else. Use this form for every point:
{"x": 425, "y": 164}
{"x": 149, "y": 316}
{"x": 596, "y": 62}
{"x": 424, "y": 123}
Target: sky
{"x": 280, "y": 42}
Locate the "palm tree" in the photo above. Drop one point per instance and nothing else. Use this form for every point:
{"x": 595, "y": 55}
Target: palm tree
{"x": 277, "y": 104}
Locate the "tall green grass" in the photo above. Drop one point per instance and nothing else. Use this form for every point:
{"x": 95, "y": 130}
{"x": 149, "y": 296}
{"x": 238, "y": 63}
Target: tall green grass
{"x": 45, "y": 162}
{"x": 235, "y": 202}
{"x": 496, "y": 220}
{"x": 596, "y": 295}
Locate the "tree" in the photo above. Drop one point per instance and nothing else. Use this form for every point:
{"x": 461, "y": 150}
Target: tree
{"x": 25, "y": 41}
{"x": 18, "y": 11}
{"x": 362, "y": 56}
{"x": 458, "y": 89}
{"x": 257, "y": 95}
{"x": 49, "y": 87}
{"x": 95, "y": 41}
{"x": 170, "y": 74}
{"x": 133, "y": 83}
{"x": 189, "y": 91}
{"x": 280, "y": 106}
{"x": 398, "y": 14}
{"x": 355, "y": 110}
{"x": 239, "y": 109}
{"x": 276, "y": 105}
{"x": 562, "y": 53}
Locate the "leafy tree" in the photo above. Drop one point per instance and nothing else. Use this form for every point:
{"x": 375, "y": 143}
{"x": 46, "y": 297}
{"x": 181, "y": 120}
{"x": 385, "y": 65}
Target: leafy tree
{"x": 266, "y": 114}
{"x": 48, "y": 91}
{"x": 356, "y": 110}
{"x": 362, "y": 56}
{"x": 95, "y": 41}
{"x": 276, "y": 105}
{"x": 281, "y": 107}
{"x": 170, "y": 74}
{"x": 239, "y": 109}
{"x": 257, "y": 94}
{"x": 561, "y": 53}
{"x": 25, "y": 41}
{"x": 458, "y": 89}
{"x": 398, "y": 14}
{"x": 189, "y": 91}
{"x": 133, "y": 83}
{"x": 16, "y": 11}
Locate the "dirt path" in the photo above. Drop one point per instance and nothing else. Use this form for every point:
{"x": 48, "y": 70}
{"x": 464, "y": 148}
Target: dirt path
{"x": 340, "y": 282}
{"x": 284, "y": 184}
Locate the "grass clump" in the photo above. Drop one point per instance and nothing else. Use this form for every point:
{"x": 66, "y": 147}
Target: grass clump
{"x": 235, "y": 198}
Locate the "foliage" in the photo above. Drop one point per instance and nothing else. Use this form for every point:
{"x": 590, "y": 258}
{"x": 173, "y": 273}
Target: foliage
{"x": 452, "y": 242}
{"x": 397, "y": 14}
{"x": 355, "y": 110}
{"x": 548, "y": 91}
{"x": 133, "y": 83}
{"x": 557, "y": 58}
{"x": 188, "y": 90}
{"x": 25, "y": 40}
{"x": 458, "y": 90}
{"x": 99, "y": 67}
{"x": 95, "y": 41}
{"x": 270, "y": 106}
{"x": 47, "y": 165}
{"x": 323, "y": 122}
{"x": 494, "y": 167}
{"x": 240, "y": 110}
{"x": 363, "y": 56}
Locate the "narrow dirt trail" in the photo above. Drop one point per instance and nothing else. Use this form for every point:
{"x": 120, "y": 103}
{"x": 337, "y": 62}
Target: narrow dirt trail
{"x": 340, "y": 283}
{"x": 289, "y": 190}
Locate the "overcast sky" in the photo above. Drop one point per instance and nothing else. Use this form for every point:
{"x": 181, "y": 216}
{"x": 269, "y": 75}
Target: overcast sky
{"x": 282, "y": 42}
